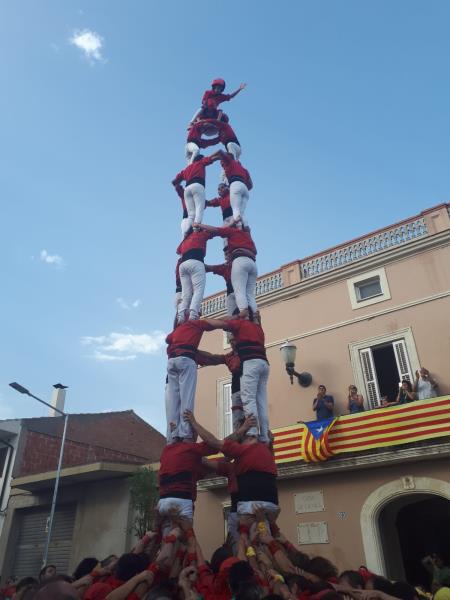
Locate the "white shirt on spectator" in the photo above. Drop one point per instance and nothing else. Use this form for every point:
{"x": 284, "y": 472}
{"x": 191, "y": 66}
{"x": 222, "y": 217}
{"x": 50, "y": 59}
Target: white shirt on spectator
{"x": 425, "y": 389}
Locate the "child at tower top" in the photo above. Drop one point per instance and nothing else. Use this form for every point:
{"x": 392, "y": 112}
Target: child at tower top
{"x": 211, "y": 100}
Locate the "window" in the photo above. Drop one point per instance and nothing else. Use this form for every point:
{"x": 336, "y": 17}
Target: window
{"x": 224, "y": 418}
{"x": 368, "y": 288}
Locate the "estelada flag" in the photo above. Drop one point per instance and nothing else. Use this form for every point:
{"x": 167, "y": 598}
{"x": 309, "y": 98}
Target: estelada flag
{"x": 315, "y": 446}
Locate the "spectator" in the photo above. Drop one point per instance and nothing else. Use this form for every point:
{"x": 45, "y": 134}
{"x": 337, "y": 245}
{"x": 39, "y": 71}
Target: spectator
{"x": 405, "y": 394}
{"x": 355, "y": 400}
{"x": 424, "y": 385}
{"x": 47, "y": 572}
{"x": 323, "y": 404}
{"x": 439, "y": 572}
{"x": 85, "y": 567}
{"x": 352, "y": 579}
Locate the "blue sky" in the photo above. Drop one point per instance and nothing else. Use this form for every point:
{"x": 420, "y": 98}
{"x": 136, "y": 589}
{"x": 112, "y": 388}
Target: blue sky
{"x": 344, "y": 127}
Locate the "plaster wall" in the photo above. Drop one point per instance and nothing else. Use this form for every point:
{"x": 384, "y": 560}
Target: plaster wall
{"x": 344, "y": 495}
{"x": 323, "y": 319}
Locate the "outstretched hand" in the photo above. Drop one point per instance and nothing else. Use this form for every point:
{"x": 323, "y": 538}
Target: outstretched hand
{"x": 242, "y": 86}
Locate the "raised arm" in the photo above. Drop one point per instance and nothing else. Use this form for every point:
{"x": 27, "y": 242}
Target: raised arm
{"x": 206, "y": 435}
{"x": 240, "y": 88}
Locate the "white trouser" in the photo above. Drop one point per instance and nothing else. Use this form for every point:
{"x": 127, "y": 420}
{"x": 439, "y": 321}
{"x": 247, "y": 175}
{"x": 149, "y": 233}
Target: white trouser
{"x": 191, "y": 150}
{"x": 193, "y": 278}
{"x": 194, "y": 198}
{"x": 237, "y": 410}
{"x": 226, "y": 223}
{"x": 177, "y": 300}
{"x": 185, "y": 224}
{"x": 255, "y": 373}
{"x": 180, "y": 393}
{"x": 243, "y": 278}
{"x": 230, "y": 304}
{"x": 238, "y": 199}
{"x": 172, "y": 415}
{"x": 165, "y": 508}
{"x": 234, "y": 149}
{"x": 248, "y": 507}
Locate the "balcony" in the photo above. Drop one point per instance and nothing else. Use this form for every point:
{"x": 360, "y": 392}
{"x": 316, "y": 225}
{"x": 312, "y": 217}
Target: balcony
{"x": 381, "y": 240}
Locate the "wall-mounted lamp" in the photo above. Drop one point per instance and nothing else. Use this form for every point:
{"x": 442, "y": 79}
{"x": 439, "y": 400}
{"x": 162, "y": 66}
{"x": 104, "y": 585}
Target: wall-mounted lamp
{"x": 288, "y": 351}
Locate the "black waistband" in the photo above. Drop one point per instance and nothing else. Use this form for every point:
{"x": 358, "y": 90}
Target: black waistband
{"x": 185, "y": 214}
{"x": 193, "y": 254}
{"x": 184, "y": 350}
{"x": 257, "y": 485}
{"x": 234, "y": 497}
{"x": 236, "y": 178}
{"x": 251, "y": 350}
{"x": 196, "y": 180}
{"x": 183, "y": 495}
{"x": 230, "y": 289}
{"x": 238, "y": 252}
{"x": 178, "y": 287}
{"x": 181, "y": 476}
{"x": 227, "y": 212}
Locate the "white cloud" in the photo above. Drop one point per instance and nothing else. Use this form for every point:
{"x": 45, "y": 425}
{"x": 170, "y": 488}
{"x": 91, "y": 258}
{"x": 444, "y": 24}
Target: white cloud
{"x": 126, "y": 305}
{"x": 124, "y": 346}
{"x": 51, "y": 259}
{"x": 90, "y": 43}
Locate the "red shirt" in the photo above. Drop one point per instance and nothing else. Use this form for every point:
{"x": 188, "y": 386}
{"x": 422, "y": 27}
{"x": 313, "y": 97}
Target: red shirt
{"x": 250, "y": 457}
{"x": 235, "y": 171}
{"x": 195, "y": 241}
{"x": 224, "y": 204}
{"x": 226, "y": 134}
{"x": 180, "y": 192}
{"x": 187, "y": 334}
{"x": 233, "y": 362}
{"x": 223, "y": 270}
{"x": 226, "y": 469}
{"x": 212, "y": 99}
{"x": 249, "y": 339}
{"x": 194, "y": 172}
{"x": 181, "y": 467}
{"x": 99, "y": 590}
{"x": 237, "y": 239}
{"x": 195, "y": 135}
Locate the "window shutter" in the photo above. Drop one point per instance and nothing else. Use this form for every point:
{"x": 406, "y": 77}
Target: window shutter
{"x": 401, "y": 357}
{"x": 370, "y": 378}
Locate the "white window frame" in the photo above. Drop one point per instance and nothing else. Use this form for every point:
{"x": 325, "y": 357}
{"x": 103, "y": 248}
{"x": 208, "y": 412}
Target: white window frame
{"x": 354, "y": 281}
{"x": 226, "y": 344}
{"x": 404, "y": 334}
{"x": 222, "y": 428}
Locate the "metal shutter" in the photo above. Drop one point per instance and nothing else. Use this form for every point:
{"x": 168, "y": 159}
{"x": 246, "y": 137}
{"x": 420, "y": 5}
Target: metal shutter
{"x": 32, "y": 535}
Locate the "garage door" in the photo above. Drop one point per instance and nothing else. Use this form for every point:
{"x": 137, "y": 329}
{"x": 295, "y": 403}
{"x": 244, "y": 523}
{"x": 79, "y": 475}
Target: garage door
{"x": 32, "y": 536}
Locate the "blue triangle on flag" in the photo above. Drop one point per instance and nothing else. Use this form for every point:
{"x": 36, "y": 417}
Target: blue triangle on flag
{"x": 317, "y": 428}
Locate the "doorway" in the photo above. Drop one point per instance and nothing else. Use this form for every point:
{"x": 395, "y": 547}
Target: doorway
{"x": 387, "y": 371}
{"x": 412, "y": 527}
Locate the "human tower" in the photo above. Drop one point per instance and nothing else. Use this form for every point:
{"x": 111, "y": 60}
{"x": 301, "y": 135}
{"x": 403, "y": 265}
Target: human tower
{"x": 247, "y": 361}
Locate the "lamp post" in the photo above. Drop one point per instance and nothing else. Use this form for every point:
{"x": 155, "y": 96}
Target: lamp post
{"x": 288, "y": 352}
{"x": 22, "y": 390}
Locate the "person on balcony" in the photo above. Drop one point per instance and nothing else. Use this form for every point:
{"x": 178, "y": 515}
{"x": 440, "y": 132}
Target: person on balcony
{"x": 404, "y": 396}
{"x": 323, "y": 404}
{"x": 424, "y": 385}
{"x": 355, "y": 401}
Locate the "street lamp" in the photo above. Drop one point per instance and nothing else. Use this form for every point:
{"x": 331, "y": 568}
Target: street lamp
{"x": 22, "y": 390}
{"x": 288, "y": 351}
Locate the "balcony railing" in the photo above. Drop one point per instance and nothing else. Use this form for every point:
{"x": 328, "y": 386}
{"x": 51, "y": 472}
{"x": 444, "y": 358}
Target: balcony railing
{"x": 264, "y": 285}
{"x": 339, "y": 256}
{"x": 362, "y": 248}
